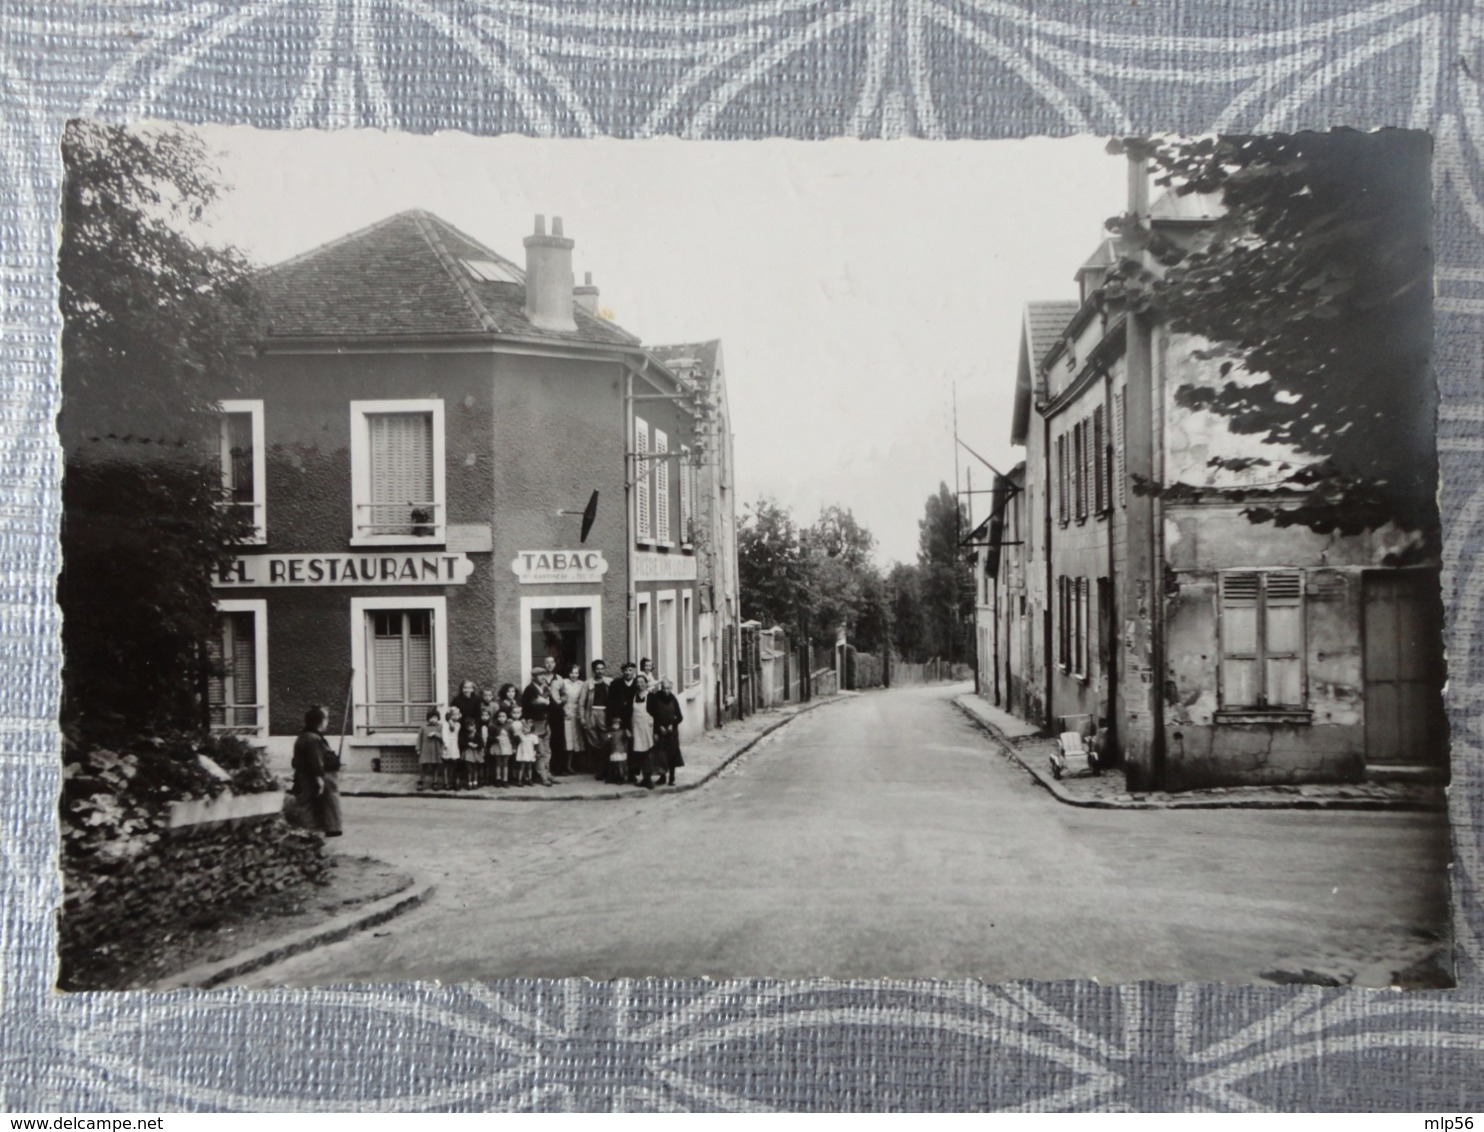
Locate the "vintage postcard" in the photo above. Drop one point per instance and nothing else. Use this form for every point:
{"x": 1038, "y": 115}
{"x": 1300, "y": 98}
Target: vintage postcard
{"x": 505, "y": 557}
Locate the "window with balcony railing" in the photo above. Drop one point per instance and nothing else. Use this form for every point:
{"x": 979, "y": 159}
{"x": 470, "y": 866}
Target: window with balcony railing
{"x": 243, "y": 471}
{"x": 397, "y": 472}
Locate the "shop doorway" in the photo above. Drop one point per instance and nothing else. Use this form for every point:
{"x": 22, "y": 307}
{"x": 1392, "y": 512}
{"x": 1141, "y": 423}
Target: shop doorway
{"x": 563, "y": 632}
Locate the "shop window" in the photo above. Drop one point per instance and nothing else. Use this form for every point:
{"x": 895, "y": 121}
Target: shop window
{"x": 643, "y": 520}
{"x": 689, "y": 673}
{"x": 397, "y": 472}
{"x": 243, "y": 468}
{"x": 664, "y": 660}
{"x": 402, "y": 647}
{"x": 237, "y": 683}
{"x": 1262, "y": 653}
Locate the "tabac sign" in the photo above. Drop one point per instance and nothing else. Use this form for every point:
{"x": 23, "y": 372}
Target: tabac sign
{"x": 269, "y": 570}
{"x": 545, "y": 567}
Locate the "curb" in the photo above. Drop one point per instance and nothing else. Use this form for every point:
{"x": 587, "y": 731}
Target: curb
{"x": 1059, "y": 792}
{"x": 207, "y": 975}
{"x": 612, "y": 795}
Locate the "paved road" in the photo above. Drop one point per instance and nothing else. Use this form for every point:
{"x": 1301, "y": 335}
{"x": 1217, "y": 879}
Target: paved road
{"x": 886, "y": 836}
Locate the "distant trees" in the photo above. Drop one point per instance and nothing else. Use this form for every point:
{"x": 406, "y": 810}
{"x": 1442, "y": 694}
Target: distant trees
{"x": 813, "y": 579}
{"x": 151, "y": 326}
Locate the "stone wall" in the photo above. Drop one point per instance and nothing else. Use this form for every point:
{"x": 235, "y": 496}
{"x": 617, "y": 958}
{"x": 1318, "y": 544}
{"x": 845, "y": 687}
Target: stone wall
{"x": 194, "y": 871}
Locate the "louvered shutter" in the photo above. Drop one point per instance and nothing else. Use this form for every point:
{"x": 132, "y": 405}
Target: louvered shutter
{"x": 686, "y": 473}
{"x": 243, "y": 667}
{"x": 641, "y": 478}
{"x": 1083, "y": 603}
{"x": 1099, "y": 463}
{"x": 1061, "y": 477}
{"x": 1240, "y": 593}
{"x": 662, "y": 489}
{"x": 237, "y": 466}
{"x": 216, "y": 686}
{"x": 401, "y": 446}
{"x": 1283, "y": 638}
{"x": 388, "y": 668}
{"x": 1119, "y": 433}
{"x": 420, "y": 675}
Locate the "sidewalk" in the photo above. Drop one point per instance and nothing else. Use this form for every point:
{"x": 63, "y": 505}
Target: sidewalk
{"x": 1032, "y": 749}
{"x": 704, "y": 758}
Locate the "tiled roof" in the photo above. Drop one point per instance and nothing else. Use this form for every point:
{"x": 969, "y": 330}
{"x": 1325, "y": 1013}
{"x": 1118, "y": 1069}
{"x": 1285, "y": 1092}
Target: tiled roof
{"x": 1045, "y": 323}
{"x": 688, "y": 360}
{"x": 406, "y": 276}
{"x": 1105, "y": 256}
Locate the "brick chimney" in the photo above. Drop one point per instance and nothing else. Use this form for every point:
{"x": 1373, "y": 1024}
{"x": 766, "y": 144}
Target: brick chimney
{"x": 549, "y": 289}
{"x": 586, "y": 296}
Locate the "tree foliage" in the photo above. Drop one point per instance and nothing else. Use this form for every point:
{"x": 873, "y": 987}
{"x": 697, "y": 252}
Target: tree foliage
{"x": 152, "y": 321}
{"x": 1317, "y": 274}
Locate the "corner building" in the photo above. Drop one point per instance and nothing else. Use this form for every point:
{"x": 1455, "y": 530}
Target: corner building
{"x": 425, "y": 426}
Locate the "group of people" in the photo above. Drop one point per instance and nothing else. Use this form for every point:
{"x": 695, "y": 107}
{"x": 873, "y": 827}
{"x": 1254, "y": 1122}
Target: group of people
{"x": 504, "y": 737}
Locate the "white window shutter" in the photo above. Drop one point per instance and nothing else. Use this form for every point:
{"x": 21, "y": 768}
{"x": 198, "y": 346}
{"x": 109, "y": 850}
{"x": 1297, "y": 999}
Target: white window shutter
{"x": 662, "y": 488}
{"x": 641, "y": 478}
{"x": 401, "y": 448}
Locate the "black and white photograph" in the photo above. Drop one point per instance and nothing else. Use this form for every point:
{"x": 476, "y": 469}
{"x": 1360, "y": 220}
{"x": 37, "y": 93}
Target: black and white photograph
{"x": 527, "y": 558}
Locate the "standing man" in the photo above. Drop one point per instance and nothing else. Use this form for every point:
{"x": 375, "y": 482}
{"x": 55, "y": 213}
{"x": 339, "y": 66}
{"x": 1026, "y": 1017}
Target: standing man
{"x": 535, "y": 705}
{"x": 621, "y": 708}
{"x": 595, "y": 715}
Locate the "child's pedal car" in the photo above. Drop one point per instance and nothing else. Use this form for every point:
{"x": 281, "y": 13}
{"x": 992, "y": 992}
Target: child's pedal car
{"x": 1076, "y": 747}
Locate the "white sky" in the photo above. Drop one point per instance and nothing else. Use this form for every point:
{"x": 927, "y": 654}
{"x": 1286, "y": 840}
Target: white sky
{"x": 852, "y": 283}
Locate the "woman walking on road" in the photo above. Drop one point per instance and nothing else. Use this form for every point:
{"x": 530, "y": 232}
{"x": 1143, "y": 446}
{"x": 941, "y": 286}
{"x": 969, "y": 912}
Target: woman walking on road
{"x": 316, "y": 769}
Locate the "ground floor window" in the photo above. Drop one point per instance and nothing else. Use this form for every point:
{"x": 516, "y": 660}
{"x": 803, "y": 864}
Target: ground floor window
{"x": 689, "y": 672}
{"x": 401, "y": 649}
{"x": 1262, "y": 657}
{"x": 664, "y": 661}
{"x": 644, "y": 628}
{"x": 237, "y": 684}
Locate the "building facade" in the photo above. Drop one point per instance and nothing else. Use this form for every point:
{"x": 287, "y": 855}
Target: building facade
{"x": 427, "y": 430}
{"x": 1212, "y": 650}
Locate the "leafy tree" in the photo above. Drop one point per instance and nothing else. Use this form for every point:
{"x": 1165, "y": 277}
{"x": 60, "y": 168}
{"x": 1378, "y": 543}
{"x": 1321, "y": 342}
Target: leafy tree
{"x": 770, "y": 564}
{"x": 151, "y": 323}
{"x": 946, "y": 577}
{"x": 908, "y": 620}
{"x": 1317, "y": 275}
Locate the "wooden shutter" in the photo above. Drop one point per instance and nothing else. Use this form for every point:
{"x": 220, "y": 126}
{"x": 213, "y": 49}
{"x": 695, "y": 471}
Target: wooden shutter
{"x": 1119, "y": 434}
{"x": 662, "y": 489}
{"x": 641, "y": 478}
{"x": 1061, "y": 477}
{"x": 1283, "y": 684}
{"x": 1082, "y": 605}
{"x": 686, "y": 471}
{"x": 1240, "y": 594}
{"x": 401, "y": 447}
{"x": 1099, "y": 463}
{"x": 237, "y": 456}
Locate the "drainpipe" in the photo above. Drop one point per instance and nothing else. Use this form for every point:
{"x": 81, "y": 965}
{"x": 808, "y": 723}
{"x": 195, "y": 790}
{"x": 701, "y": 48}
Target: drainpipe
{"x": 1047, "y": 617}
{"x": 1111, "y": 675}
{"x": 631, "y": 504}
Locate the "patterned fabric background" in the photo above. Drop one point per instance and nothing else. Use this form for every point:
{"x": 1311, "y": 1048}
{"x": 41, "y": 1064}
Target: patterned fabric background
{"x": 721, "y": 69}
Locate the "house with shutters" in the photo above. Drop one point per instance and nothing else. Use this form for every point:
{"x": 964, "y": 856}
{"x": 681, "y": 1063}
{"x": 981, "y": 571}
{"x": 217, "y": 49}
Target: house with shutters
{"x": 1212, "y": 650}
{"x": 455, "y": 467}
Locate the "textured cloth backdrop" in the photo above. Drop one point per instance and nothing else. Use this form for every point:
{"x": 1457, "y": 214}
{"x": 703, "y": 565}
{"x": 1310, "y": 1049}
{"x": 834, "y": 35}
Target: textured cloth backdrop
{"x": 707, "y": 68}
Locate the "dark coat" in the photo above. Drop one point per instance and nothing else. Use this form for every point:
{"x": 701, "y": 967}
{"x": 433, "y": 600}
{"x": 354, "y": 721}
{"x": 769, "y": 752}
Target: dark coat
{"x": 621, "y": 703}
{"x": 314, "y": 779}
{"x": 665, "y": 708}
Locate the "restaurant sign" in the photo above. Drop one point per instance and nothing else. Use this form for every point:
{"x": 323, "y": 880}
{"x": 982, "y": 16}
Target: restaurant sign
{"x": 547, "y": 567}
{"x": 270, "y": 570}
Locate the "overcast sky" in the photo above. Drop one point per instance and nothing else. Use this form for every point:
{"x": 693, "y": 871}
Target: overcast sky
{"x": 853, "y": 284}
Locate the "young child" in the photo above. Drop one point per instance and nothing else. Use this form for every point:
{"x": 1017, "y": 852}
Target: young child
{"x": 430, "y": 750}
{"x": 499, "y": 748}
{"x": 448, "y": 766}
{"x": 525, "y": 755}
{"x": 471, "y": 750}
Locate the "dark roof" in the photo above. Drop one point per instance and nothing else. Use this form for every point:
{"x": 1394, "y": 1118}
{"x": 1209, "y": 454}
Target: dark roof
{"x": 689, "y": 360}
{"x": 1045, "y": 322}
{"x": 1104, "y": 257}
{"x": 407, "y": 275}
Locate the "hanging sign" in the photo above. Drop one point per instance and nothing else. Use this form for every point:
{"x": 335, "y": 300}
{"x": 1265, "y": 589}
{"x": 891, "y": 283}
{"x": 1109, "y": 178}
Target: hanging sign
{"x": 548, "y": 567}
{"x": 273, "y": 570}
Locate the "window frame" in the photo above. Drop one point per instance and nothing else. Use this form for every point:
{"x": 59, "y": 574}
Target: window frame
{"x": 665, "y": 653}
{"x": 687, "y": 641}
{"x": 593, "y": 603}
{"x": 664, "y": 529}
{"x": 360, "y": 469}
{"x": 687, "y": 499}
{"x": 258, "y": 607}
{"x": 643, "y": 627}
{"x": 253, "y": 407}
{"x": 362, "y": 681}
{"x": 1261, "y": 655}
